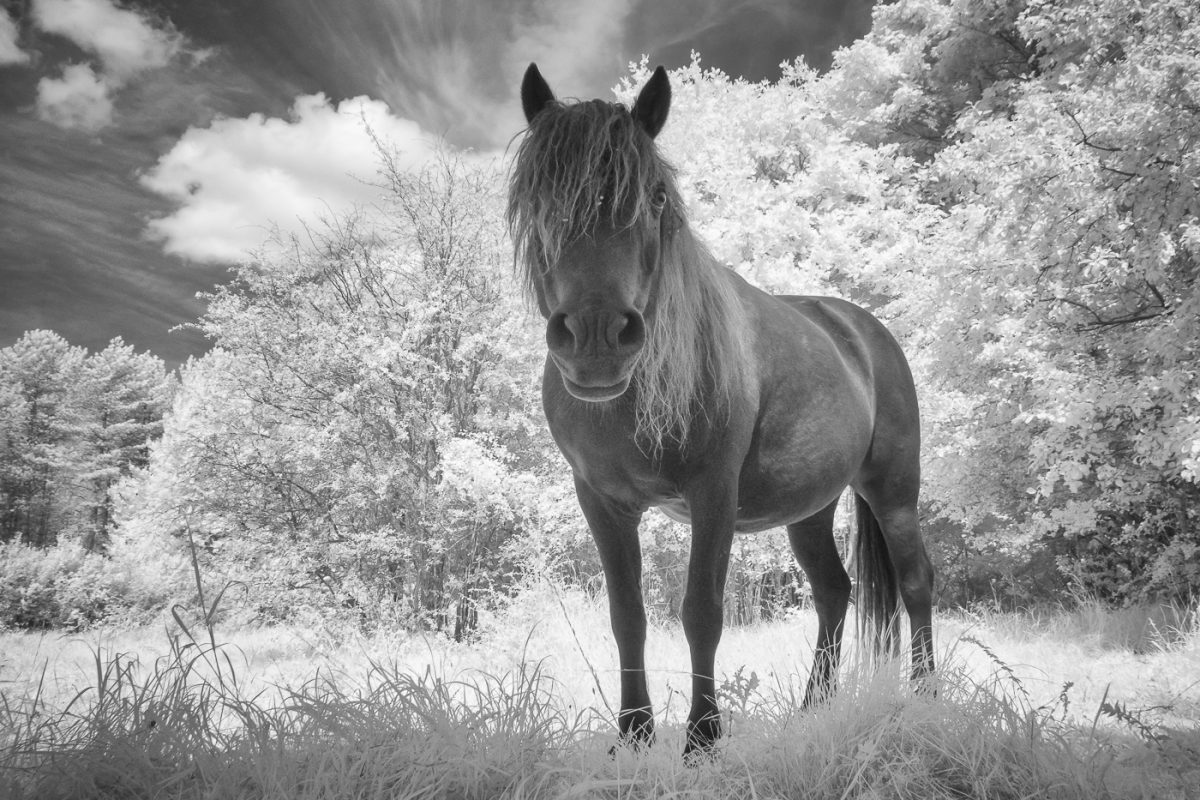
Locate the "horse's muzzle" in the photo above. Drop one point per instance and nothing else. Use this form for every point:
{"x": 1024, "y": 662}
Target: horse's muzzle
{"x": 595, "y": 351}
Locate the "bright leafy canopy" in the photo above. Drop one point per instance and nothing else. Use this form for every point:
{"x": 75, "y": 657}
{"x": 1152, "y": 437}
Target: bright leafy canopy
{"x": 1013, "y": 187}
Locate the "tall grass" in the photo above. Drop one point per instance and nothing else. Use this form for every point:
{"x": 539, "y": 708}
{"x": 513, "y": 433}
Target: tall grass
{"x": 193, "y": 724}
{"x": 1140, "y": 629}
{"x": 178, "y": 733}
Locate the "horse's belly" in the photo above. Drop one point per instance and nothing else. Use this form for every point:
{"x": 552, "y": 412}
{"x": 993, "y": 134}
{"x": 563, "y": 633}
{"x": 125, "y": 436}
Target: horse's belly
{"x": 781, "y": 485}
{"x": 761, "y": 512}
{"x": 784, "y": 483}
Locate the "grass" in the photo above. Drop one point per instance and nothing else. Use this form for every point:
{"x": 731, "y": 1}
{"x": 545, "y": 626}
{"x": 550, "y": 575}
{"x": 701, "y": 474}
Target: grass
{"x": 1030, "y": 708}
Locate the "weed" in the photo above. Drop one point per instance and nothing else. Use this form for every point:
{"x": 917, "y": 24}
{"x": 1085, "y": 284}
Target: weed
{"x": 735, "y": 691}
{"x": 1133, "y": 719}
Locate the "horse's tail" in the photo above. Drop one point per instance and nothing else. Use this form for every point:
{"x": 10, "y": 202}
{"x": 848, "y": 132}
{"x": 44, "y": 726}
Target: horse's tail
{"x": 877, "y": 592}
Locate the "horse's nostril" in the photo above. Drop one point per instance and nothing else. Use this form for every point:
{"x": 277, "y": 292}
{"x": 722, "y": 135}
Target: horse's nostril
{"x": 558, "y": 333}
{"x": 633, "y": 330}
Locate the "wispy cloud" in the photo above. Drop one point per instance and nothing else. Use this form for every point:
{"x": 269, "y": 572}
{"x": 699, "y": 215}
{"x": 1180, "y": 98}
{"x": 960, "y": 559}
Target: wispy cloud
{"x": 575, "y": 42}
{"x": 238, "y": 180}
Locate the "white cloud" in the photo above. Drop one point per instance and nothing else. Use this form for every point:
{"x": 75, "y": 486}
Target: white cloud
{"x": 124, "y": 41}
{"x": 79, "y": 99}
{"x": 10, "y": 53}
{"x": 237, "y": 178}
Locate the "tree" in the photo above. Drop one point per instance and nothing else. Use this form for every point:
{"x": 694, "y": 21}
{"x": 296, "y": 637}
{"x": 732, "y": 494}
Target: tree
{"x": 923, "y": 63}
{"x": 362, "y": 433}
{"x": 1012, "y": 188}
{"x": 118, "y": 407}
{"x": 70, "y": 425}
{"x": 39, "y": 374}
{"x": 1054, "y": 304}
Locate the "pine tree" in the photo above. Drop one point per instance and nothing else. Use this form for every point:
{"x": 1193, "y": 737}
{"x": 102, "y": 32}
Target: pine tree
{"x": 38, "y": 374}
{"x": 71, "y": 425}
{"x": 118, "y": 407}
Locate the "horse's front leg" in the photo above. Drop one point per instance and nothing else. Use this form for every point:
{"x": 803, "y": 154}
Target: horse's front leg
{"x": 615, "y": 531}
{"x": 713, "y": 510}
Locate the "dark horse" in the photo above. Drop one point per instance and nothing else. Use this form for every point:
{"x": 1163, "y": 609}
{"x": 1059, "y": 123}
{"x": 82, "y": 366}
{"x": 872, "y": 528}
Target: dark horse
{"x": 672, "y": 382}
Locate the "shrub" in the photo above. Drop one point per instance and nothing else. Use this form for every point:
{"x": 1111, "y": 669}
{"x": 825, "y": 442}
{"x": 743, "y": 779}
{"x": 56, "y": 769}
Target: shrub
{"x": 65, "y": 586}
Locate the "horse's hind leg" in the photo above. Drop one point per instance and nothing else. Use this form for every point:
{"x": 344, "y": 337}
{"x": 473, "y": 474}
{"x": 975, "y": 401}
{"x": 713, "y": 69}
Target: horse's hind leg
{"x": 898, "y": 521}
{"x": 914, "y": 573}
{"x": 812, "y": 542}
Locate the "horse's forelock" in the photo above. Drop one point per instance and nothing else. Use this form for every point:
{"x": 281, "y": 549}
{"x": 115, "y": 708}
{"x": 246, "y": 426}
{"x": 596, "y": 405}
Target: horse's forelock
{"x": 578, "y": 164}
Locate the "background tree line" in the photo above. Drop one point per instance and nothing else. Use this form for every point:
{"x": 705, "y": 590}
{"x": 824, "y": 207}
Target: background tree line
{"x": 71, "y": 425}
{"x": 1012, "y": 186}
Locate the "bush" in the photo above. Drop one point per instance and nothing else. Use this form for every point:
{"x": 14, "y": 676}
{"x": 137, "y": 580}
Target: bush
{"x": 65, "y": 586}
{"x": 1141, "y": 551}
{"x": 27, "y": 578}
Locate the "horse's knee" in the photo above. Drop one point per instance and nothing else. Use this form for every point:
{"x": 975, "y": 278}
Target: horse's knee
{"x": 699, "y": 608}
{"x": 832, "y": 589}
{"x": 916, "y": 582}
{"x": 702, "y": 616}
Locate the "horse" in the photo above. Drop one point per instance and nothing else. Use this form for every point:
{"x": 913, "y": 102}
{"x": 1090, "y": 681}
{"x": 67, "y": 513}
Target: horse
{"x": 672, "y": 382}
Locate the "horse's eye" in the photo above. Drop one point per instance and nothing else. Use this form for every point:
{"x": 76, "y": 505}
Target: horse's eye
{"x": 659, "y": 198}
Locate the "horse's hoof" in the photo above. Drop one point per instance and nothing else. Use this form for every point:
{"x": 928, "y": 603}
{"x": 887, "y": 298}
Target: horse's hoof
{"x": 636, "y": 739}
{"x": 695, "y": 753}
{"x": 702, "y": 739}
{"x": 926, "y": 686}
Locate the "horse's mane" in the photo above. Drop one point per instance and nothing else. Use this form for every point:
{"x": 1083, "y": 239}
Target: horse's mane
{"x": 582, "y": 163}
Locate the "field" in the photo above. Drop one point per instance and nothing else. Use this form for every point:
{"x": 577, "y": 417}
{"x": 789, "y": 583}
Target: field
{"x": 1083, "y": 703}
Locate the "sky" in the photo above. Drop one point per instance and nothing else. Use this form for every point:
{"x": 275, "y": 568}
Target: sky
{"x": 145, "y": 147}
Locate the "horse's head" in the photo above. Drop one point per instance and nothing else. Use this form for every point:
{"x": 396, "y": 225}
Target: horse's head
{"x": 588, "y": 208}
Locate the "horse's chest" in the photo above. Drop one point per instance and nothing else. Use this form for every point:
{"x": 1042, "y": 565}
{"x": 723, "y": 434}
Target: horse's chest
{"x": 614, "y": 466}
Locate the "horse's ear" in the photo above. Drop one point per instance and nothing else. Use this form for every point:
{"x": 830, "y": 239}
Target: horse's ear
{"x": 653, "y": 103}
{"x": 535, "y": 93}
